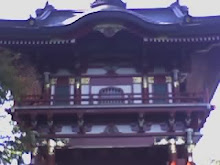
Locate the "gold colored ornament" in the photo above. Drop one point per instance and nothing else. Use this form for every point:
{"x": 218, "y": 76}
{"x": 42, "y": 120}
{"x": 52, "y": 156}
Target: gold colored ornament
{"x": 71, "y": 81}
{"x": 190, "y": 148}
{"x": 168, "y": 79}
{"x": 151, "y": 80}
{"x": 85, "y": 81}
{"x": 53, "y": 81}
{"x": 176, "y": 84}
{"x": 137, "y": 80}
{"x": 35, "y": 151}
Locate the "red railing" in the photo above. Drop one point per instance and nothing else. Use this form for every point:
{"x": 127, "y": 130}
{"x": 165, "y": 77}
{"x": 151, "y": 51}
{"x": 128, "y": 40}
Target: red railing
{"x": 109, "y": 99}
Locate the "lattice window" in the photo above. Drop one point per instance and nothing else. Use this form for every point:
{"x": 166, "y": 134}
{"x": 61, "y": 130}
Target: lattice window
{"x": 111, "y": 95}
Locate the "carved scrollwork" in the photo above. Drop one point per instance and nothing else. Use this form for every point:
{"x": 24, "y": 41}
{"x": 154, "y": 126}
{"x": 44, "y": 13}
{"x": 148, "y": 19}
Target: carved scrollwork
{"x": 141, "y": 122}
{"x": 188, "y": 120}
{"x": 118, "y": 3}
{"x": 172, "y": 121}
{"x": 80, "y": 123}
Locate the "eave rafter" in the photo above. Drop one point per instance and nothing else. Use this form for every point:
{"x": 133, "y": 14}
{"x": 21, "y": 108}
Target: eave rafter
{"x": 206, "y": 39}
{"x": 36, "y": 42}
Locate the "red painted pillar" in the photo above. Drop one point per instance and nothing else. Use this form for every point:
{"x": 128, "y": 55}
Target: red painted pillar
{"x": 34, "y": 156}
{"x": 145, "y": 90}
{"x": 173, "y": 152}
{"x": 189, "y": 154}
{"x": 51, "y": 159}
{"x": 51, "y": 152}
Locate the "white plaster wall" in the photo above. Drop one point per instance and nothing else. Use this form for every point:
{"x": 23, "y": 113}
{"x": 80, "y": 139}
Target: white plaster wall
{"x": 137, "y": 89}
{"x": 156, "y": 128}
{"x": 72, "y": 93}
{"x": 126, "y": 71}
{"x": 169, "y": 87}
{"x": 97, "y": 129}
{"x": 85, "y": 90}
{"x": 96, "y": 71}
{"x": 67, "y": 129}
{"x": 124, "y": 128}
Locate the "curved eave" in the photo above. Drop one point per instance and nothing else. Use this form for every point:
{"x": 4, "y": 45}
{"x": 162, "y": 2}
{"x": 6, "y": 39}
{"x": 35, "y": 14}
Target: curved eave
{"x": 172, "y": 30}
{"x": 102, "y": 13}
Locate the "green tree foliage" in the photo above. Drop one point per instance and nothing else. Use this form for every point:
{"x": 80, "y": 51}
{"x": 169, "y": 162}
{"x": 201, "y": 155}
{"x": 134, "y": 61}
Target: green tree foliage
{"x": 9, "y": 74}
{"x": 17, "y": 77}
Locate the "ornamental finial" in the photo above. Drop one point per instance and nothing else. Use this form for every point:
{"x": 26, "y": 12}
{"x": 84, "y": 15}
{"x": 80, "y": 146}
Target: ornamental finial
{"x": 118, "y": 3}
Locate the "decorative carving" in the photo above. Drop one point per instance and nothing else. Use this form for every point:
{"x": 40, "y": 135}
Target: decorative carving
{"x": 172, "y": 121}
{"x": 118, "y": 3}
{"x": 33, "y": 121}
{"x": 168, "y": 79}
{"x": 161, "y": 141}
{"x": 35, "y": 151}
{"x": 80, "y": 123}
{"x": 188, "y": 120}
{"x": 109, "y": 30}
{"x": 71, "y": 81}
{"x": 111, "y": 129}
{"x": 137, "y": 80}
{"x": 53, "y": 81}
{"x": 190, "y": 148}
{"x": 151, "y": 80}
{"x": 179, "y": 126}
{"x": 172, "y": 146}
{"x": 85, "y": 81}
{"x": 141, "y": 122}
{"x": 180, "y": 141}
{"x": 34, "y": 124}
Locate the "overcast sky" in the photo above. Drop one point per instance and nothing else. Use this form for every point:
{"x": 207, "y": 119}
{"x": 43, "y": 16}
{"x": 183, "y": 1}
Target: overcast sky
{"x": 21, "y": 9}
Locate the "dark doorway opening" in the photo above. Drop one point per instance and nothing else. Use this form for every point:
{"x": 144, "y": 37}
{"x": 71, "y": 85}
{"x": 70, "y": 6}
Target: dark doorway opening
{"x": 113, "y": 156}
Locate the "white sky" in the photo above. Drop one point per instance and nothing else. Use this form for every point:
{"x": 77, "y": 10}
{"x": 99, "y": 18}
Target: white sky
{"x": 21, "y": 9}
{"x": 210, "y": 143}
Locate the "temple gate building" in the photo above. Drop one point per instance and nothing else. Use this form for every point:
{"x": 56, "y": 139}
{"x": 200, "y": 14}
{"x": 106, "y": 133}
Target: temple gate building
{"x": 116, "y": 85}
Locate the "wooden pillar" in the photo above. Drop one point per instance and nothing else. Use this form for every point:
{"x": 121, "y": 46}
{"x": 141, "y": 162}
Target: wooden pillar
{"x": 36, "y": 157}
{"x": 145, "y": 90}
{"x": 190, "y": 146}
{"x": 173, "y": 152}
{"x": 189, "y": 154}
{"x": 51, "y": 152}
{"x": 77, "y": 91}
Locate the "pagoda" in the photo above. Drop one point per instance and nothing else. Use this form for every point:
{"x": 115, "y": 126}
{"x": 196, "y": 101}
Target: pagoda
{"x": 116, "y": 85}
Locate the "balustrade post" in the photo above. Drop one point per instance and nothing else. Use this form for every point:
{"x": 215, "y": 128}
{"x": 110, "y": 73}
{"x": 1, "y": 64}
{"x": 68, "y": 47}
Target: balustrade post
{"x": 51, "y": 152}
{"x": 173, "y": 152}
{"x": 190, "y": 146}
{"x": 145, "y": 90}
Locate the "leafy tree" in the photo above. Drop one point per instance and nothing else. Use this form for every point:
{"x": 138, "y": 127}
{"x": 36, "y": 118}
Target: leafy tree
{"x": 16, "y": 79}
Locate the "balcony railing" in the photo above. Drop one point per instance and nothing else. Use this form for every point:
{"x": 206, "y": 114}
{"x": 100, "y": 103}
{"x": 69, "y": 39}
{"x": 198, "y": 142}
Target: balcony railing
{"x": 111, "y": 99}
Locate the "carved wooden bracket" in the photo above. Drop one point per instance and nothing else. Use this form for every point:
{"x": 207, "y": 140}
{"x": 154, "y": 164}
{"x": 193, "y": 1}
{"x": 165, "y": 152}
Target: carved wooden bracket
{"x": 141, "y": 122}
{"x": 111, "y": 129}
{"x": 81, "y": 123}
{"x": 34, "y": 122}
{"x": 172, "y": 121}
{"x": 188, "y": 120}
